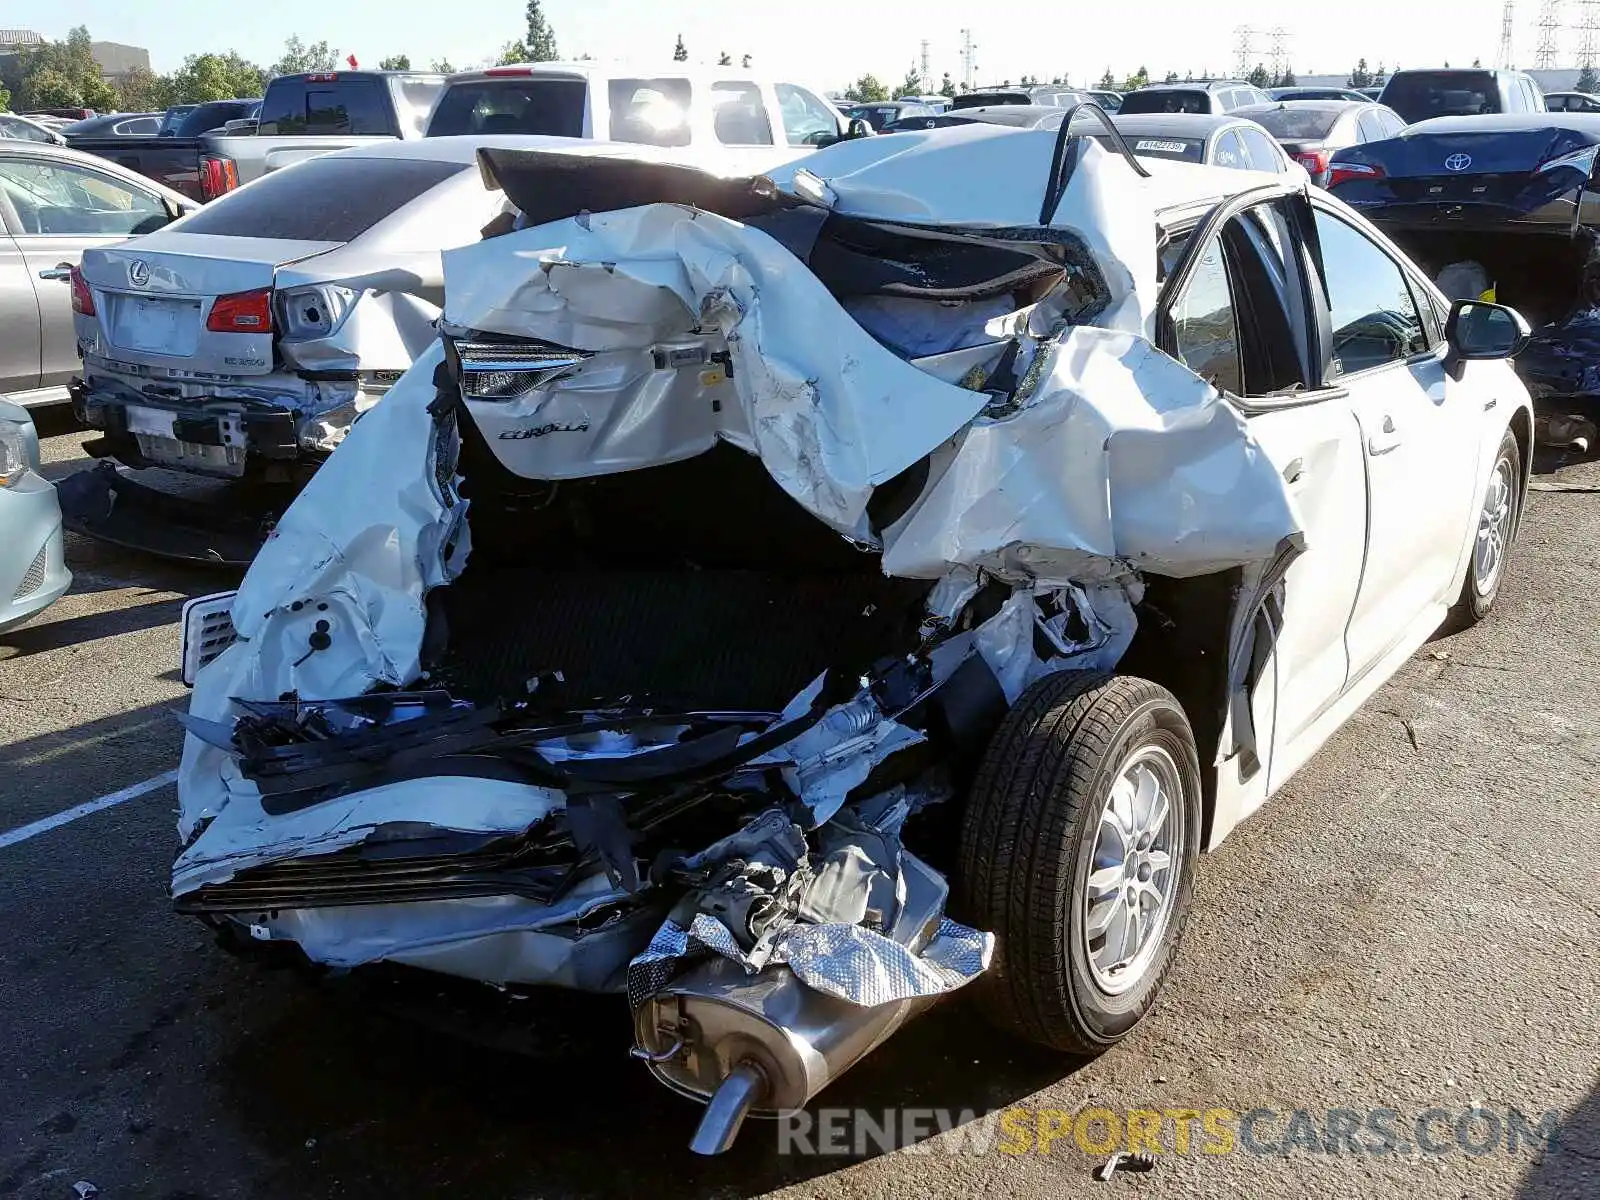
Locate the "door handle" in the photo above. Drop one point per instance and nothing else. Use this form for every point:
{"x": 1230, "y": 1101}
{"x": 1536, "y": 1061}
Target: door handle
{"x": 1384, "y": 440}
{"x": 1294, "y": 472}
{"x": 59, "y": 273}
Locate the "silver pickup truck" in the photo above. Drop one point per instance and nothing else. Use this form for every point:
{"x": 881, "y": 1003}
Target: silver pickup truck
{"x": 724, "y": 110}
{"x": 303, "y": 116}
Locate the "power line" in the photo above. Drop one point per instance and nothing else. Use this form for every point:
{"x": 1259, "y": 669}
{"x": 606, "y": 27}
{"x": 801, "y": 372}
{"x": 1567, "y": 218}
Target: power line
{"x": 1544, "y": 58}
{"x": 1507, "y": 22}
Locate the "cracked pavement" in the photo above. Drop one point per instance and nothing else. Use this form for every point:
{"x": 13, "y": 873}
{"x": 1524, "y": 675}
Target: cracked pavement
{"x": 1414, "y": 922}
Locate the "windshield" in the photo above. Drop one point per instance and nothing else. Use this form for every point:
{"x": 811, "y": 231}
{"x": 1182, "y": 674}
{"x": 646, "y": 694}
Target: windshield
{"x": 982, "y": 99}
{"x": 213, "y": 116}
{"x": 879, "y": 115}
{"x": 1296, "y": 121}
{"x": 547, "y": 105}
{"x": 1166, "y": 100}
{"x": 1179, "y": 149}
{"x": 1418, "y": 95}
{"x": 174, "y": 117}
{"x": 353, "y": 195}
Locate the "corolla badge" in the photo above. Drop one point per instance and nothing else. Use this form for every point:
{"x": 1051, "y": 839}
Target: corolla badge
{"x": 1458, "y": 162}
{"x": 138, "y": 272}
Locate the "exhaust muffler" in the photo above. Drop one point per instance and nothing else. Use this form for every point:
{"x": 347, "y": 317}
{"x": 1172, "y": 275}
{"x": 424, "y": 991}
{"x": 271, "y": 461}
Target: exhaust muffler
{"x": 762, "y": 1044}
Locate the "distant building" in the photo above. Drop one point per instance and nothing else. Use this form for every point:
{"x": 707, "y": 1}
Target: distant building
{"x": 116, "y": 60}
{"x": 113, "y": 58}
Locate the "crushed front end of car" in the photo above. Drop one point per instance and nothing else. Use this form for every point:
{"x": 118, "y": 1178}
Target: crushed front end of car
{"x": 645, "y": 639}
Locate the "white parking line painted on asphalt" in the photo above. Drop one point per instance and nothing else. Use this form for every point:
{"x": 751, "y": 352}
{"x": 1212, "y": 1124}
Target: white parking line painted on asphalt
{"x": 67, "y": 816}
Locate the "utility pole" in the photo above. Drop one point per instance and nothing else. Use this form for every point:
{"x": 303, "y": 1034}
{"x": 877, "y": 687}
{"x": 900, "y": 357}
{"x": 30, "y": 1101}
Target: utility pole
{"x": 1280, "y": 50}
{"x": 1544, "y": 58}
{"x": 1243, "y": 50}
{"x": 969, "y": 60}
{"x": 927, "y": 67}
{"x": 1589, "y": 34}
{"x": 1507, "y": 24}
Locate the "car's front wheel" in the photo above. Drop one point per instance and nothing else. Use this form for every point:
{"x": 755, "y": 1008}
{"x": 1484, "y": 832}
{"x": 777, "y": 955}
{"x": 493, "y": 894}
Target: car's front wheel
{"x": 1078, "y": 849}
{"x": 1495, "y": 530}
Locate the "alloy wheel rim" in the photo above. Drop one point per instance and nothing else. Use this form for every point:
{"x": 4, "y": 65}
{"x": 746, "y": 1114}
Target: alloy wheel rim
{"x": 1133, "y": 870}
{"x": 1494, "y": 530}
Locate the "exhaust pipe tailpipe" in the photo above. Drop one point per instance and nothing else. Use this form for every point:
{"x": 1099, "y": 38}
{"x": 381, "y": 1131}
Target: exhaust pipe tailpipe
{"x": 763, "y": 1044}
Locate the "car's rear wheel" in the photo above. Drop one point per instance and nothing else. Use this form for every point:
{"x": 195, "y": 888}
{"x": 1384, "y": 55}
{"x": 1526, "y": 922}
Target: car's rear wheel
{"x": 1496, "y": 528}
{"x": 1078, "y": 849}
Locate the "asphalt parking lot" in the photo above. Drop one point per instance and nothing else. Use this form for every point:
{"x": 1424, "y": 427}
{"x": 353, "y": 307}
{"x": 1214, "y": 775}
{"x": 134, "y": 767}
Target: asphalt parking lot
{"x": 1412, "y": 925}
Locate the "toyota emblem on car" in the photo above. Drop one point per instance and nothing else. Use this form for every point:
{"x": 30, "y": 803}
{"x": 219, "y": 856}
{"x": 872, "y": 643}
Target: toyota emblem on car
{"x": 1458, "y": 162}
{"x": 138, "y": 272}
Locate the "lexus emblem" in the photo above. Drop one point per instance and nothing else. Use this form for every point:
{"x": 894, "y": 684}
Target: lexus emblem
{"x": 1458, "y": 162}
{"x": 138, "y": 272}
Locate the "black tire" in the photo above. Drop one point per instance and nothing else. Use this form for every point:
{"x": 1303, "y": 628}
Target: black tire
{"x": 1026, "y": 845}
{"x": 1476, "y": 599}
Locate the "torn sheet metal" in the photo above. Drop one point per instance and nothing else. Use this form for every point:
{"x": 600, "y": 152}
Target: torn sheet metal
{"x": 980, "y": 177}
{"x": 849, "y": 962}
{"x": 333, "y": 604}
{"x": 830, "y": 411}
{"x": 1122, "y": 459}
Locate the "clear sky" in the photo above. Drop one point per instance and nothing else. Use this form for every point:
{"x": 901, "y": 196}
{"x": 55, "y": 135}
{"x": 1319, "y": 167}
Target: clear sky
{"x": 826, "y": 42}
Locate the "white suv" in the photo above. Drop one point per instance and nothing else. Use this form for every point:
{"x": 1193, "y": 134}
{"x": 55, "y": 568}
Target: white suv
{"x": 726, "y": 110}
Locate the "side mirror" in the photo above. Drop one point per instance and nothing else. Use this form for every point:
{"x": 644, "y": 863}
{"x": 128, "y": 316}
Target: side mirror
{"x": 859, "y": 129}
{"x": 1477, "y": 329}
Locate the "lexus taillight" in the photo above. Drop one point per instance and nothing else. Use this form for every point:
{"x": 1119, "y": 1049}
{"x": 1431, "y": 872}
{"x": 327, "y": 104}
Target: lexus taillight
{"x": 82, "y": 297}
{"x": 242, "y": 312}
{"x": 1314, "y": 161}
{"x": 1345, "y": 172}
{"x": 218, "y": 177}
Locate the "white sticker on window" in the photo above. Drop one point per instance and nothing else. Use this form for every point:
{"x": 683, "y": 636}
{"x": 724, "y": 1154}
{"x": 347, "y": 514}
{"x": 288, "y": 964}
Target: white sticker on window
{"x": 1159, "y": 147}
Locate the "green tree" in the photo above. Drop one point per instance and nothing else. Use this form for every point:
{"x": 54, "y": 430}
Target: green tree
{"x": 1139, "y": 79}
{"x": 1287, "y": 78}
{"x": 1478, "y": 63}
{"x": 866, "y": 89}
{"x": 1172, "y": 77}
{"x": 50, "y": 88}
{"x": 680, "y": 52}
{"x": 1381, "y": 77}
{"x": 5, "y": 98}
{"x": 541, "y": 39}
{"x": 142, "y": 90}
{"x": 911, "y": 85}
{"x": 1588, "y": 79}
{"x": 395, "y": 62}
{"x": 299, "y": 58}
{"x": 746, "y": 61}
{"x": 513, "y": 52}
{"x": 206, "y": 77}
{"x": 1028, "y": 81}
{"x": 442, "y": 66}
{"x": 724, "y": 59}
{"x": 1260, "y": 77}
{"x": 1361, "y": 77}
{"x": 947, "y": 86}
{"x": 1108, "y": 82}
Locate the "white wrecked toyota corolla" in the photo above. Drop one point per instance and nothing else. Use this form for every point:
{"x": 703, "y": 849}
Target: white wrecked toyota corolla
{"x": 784, "y": 601}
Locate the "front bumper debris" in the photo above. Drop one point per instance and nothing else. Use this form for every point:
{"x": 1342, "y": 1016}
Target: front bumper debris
{"x": 111, "y": 506}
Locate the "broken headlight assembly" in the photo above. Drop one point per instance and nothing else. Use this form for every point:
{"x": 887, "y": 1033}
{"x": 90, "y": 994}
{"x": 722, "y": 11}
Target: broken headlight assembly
{"x": 309, "y": 313}
{"x": 509, "y": 368}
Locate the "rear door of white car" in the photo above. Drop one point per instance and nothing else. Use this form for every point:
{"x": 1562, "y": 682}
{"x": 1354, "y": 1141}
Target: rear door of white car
{"x": 1419, "y": 435}
{"x": 1238, "y": 312}
{"x": 63, "y": 208}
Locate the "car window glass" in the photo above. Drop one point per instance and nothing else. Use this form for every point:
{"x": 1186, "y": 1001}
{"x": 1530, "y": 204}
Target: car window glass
{"x": 350, "y": 107}
{"x": 353, "y": 195}
{"x": 548, "y": 105}
{"x": 1370, "y": 126}
{"x": 805, "y": 116}
{"x": 1205, "y": 330}
{"x": 283, "y": 105}
{"x": 1229, "y": 153}
{"x": 1260, "y": 150}
{"x": 1375, "y": 320}
{"x": 739, "y": 115}
{"x": 652, "y": 112}
{"x": 22, "y": 131}
{"x": 64, "y": 198}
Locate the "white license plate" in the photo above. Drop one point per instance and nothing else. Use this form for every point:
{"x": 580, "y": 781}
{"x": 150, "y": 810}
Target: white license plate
{"x": 152, "y": 421}
{"x": 157, "y": 326}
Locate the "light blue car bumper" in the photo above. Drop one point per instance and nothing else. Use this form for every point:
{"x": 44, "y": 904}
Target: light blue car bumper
{"x": 33, "y": 570}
